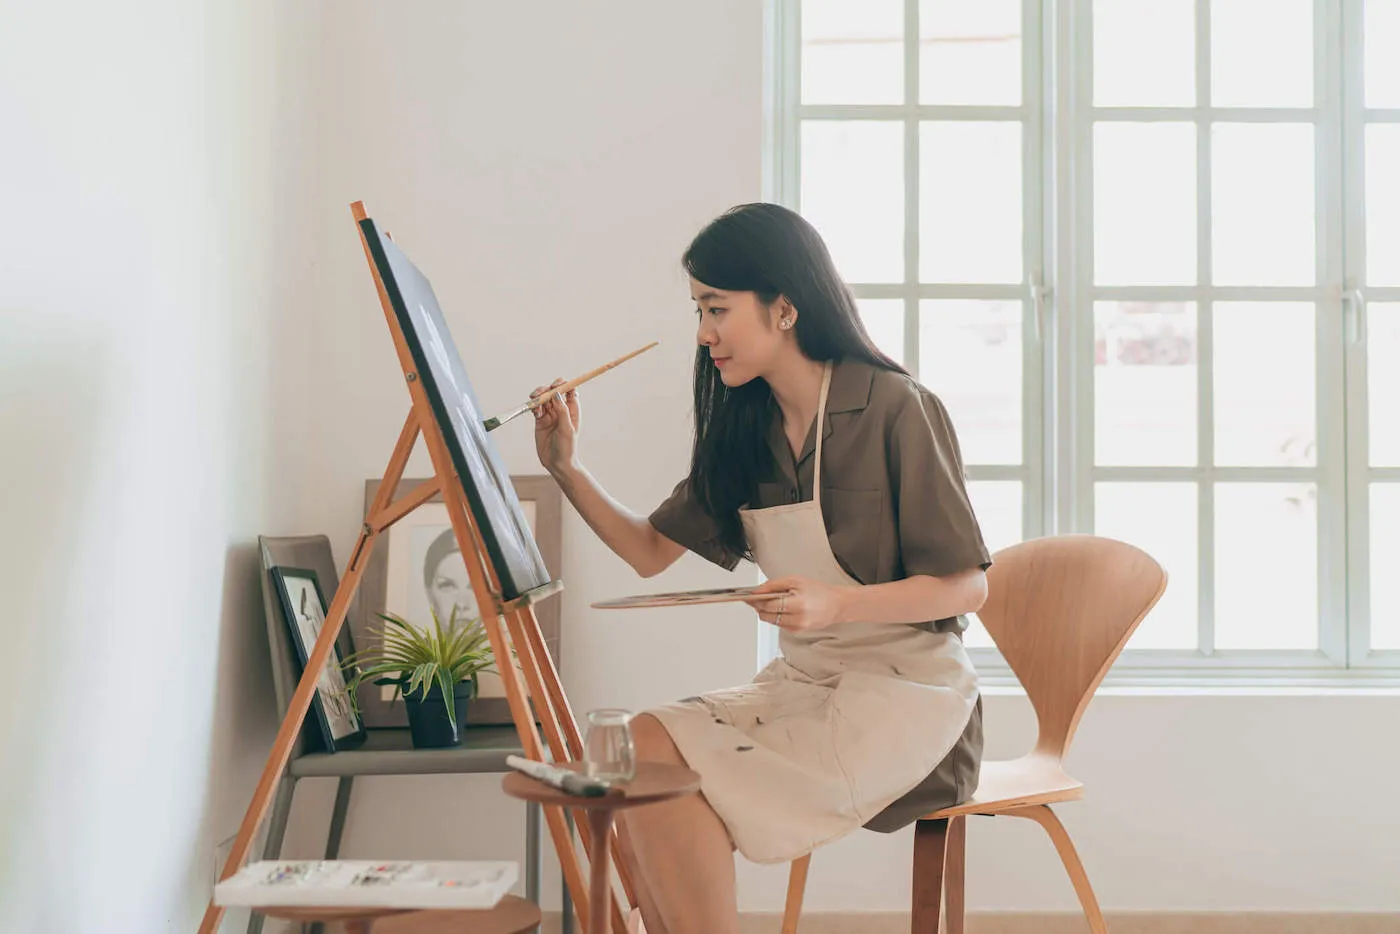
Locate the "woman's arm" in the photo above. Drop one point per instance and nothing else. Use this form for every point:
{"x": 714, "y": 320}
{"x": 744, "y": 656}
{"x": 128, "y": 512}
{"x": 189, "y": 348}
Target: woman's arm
{"x": 811, "y": 604}
{"x": 913, "y": 600}
{"x": 631, "y": 537}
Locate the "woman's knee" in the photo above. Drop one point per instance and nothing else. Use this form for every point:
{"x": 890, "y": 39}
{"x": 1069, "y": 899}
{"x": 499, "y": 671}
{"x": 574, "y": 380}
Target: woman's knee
{"x": 651, "y": 741}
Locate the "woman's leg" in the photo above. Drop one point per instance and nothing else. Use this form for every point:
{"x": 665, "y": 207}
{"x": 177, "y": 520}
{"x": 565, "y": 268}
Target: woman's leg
{"x": 682, "y": 856}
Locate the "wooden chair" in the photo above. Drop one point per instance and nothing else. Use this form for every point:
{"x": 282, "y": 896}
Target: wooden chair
{"x": 1060, "y": 609}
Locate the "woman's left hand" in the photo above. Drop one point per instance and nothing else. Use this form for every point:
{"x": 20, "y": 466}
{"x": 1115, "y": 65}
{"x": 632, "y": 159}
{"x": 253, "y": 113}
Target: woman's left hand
{"x": 797, "y": 603}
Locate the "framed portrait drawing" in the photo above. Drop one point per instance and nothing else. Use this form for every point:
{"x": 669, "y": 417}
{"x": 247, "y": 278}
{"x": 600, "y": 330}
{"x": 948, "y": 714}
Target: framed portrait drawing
{"x": 416, "y": 570}
{"x": 304, "y": 608}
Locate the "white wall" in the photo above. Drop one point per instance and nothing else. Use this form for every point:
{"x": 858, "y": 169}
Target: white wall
{"x": 149, "y": 405}
{"x": 546, "y": 168}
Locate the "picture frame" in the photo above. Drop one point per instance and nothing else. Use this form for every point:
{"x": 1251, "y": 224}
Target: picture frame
{"x": 500, "y": 517}
{"x": 304, "y": 609}
{"x": 396, "y": 581}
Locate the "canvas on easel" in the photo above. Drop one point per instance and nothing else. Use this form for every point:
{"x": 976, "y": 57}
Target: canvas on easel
{"x": 508, "y": 574}
{"x": 504, "y": 528}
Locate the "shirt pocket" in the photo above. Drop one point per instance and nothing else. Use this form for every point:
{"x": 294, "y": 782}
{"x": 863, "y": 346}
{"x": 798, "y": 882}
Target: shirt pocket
{"x": 854, "y": 528}
{"x": 776, "y": 494}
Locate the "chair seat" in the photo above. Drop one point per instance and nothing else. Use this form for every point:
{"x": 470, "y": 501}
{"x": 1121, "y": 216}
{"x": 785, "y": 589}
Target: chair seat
{"x": 1011, "y": 784}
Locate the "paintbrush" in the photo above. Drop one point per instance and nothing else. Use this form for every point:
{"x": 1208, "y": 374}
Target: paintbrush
{"x": 493, "y": 423}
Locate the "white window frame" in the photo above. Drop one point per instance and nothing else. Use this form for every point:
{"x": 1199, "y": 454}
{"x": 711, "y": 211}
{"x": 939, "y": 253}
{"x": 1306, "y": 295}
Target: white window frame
{"x": 1058, "y": 294}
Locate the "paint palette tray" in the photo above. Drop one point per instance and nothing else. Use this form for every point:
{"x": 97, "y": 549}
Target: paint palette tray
{"x": 368, "y": 884}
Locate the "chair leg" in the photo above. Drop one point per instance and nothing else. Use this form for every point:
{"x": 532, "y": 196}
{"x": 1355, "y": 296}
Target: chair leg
{"x": 797, "y": 887}
{"x": 1046, "y": 818}
{"x": 930, "y": 843}
{"x": 276, "y": 831}
{"x": 954, "y": 873}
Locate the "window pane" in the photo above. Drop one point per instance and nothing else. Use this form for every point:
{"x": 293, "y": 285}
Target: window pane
{"x": 1382, "y": 37}
{"x": 853, "y": 193}
{"x": 1263, "y": 215}
{"x": 1383, "y": 204}
{"x": 852, "y": 53}
{"x": 1383, "y": 376}
{"x": 1261, "y": 53}
{"x": 997, "y": 505}
{"x": 970, "y": 51}
{"x": 1385, "y": 557}
{"x": 884, "y": 320}
{"x": 1265, "y": 379}
{"x": 970, "y": 355}
{"x": 1159, "y": 518}
{"x": 1145, "y": 204}
{"x": 1144, "y": 53}
{"x": 1266, "y": 566}
{"x": 970, "y": 202}
{"x": 1145, "y": 383}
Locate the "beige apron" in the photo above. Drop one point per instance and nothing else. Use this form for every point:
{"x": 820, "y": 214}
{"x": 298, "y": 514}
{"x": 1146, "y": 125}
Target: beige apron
{"x": 847, "y": 720}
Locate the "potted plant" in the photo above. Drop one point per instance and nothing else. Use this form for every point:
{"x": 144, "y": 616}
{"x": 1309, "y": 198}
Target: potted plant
{"x": 427, "y": 666}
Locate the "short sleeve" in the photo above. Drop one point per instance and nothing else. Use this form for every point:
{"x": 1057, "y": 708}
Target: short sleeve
{"x": 938, "y": 531}
{"x": 684, "y": 521}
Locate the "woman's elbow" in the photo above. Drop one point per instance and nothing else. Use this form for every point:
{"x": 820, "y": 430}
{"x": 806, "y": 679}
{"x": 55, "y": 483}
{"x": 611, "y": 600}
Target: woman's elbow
{"x": 974, "y": 587}
{"x": 659, "y": 555}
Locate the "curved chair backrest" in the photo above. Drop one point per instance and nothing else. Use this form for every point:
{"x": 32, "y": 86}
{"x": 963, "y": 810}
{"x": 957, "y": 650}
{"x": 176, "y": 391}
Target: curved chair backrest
{"x": 1060, "y": 609}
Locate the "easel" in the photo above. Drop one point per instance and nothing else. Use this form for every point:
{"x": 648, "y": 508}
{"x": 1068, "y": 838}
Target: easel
{"x": 541, "y": 678}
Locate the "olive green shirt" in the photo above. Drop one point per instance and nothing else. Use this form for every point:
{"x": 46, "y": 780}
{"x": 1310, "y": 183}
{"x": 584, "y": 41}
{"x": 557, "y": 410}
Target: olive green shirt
{"x": 893, "y": 496}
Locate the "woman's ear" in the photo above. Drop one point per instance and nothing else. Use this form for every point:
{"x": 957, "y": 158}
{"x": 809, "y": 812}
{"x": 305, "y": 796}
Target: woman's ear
{"x": 787, "y": 314}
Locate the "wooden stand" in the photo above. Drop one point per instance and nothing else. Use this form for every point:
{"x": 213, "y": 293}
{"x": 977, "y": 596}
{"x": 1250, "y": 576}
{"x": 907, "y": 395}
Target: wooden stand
{"x": 654, "y": 782}
{"x": 521, "y": 633}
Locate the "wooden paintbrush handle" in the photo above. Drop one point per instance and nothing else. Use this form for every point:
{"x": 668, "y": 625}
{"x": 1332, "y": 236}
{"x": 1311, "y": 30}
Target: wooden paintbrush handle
{"x": 578, "y": 381}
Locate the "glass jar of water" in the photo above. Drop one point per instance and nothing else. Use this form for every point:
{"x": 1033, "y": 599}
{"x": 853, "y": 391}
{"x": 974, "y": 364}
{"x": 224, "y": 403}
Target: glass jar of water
{"x": 607, "y": 746}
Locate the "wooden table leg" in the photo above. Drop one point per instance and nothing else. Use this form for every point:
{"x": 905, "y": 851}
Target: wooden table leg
{"x": 599, "y": 891}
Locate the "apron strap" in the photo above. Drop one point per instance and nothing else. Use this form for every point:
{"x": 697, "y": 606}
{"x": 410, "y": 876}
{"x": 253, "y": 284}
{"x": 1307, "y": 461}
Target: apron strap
{"x": 821, "y": 430}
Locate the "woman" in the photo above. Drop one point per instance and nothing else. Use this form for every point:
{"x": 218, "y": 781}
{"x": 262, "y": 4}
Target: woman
{"x": 820, "y": 459}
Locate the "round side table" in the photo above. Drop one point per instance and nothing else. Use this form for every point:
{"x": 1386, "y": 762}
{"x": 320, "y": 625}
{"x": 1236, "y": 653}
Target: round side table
{"x": 510, "y": 916}
{"x": 653, "y": 783}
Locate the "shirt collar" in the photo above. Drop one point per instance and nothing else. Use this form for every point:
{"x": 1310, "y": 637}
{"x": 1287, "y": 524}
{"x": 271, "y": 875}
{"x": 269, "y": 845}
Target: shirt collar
{"x": 849, "y": 392}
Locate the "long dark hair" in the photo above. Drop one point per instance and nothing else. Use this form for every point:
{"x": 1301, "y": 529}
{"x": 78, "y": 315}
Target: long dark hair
{"x": 770, "y": 251}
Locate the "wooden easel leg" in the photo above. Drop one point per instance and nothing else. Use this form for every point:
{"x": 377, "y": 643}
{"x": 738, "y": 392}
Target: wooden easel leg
{"x": 276, "y": 831}
{"x": 306, "y": 687}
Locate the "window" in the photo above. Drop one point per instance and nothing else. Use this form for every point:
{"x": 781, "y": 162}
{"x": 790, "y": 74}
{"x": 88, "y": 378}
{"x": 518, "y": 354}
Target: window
{"x": 1148, "y": 254}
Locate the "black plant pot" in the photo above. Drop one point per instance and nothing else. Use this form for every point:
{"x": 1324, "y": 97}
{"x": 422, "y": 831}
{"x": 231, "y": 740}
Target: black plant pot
{"x": 427, "y": 717}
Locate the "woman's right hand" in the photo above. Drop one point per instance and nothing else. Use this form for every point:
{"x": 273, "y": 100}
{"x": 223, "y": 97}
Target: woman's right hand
{"x": 556, "y": 428}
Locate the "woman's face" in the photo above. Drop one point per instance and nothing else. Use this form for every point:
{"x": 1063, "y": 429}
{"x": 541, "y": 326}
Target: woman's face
{"x": 742, "y": 335}
{"x": 451, "y": 587}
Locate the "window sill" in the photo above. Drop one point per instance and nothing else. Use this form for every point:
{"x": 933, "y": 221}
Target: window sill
{"x": 997, "y": 681}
